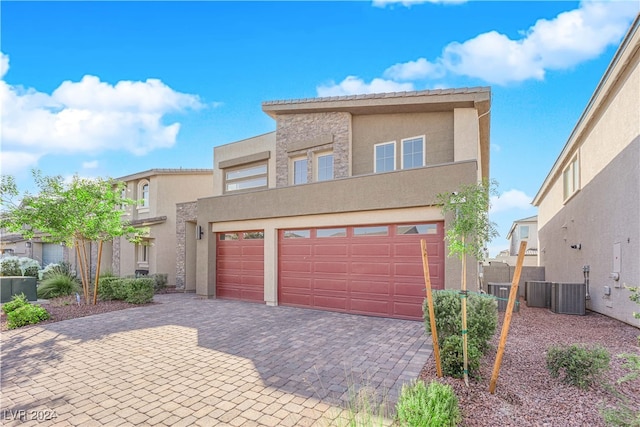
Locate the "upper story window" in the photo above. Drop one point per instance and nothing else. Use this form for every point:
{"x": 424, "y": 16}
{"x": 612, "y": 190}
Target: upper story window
{"x": 524, "y": 232}
{"x": 571, "y": 178}
{"x": 324, "y": 167}
{"x": 299, "y": 170}
{"x": 413, "y": 152}
{"x": 246, "y": 177}
{"x": 143, "y": 194}
{"x": 384, "y": 157}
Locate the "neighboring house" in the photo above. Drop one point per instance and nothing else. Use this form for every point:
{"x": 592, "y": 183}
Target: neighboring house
{"x": 589, "y": 203}
{"x": 157, "y": 191}
{"x": 328, "y": 211}
{"x": 44, "y": 252}
{"x": 525, "y": 229}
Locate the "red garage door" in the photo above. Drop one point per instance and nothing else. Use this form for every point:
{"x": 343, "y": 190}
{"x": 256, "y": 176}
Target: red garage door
{"x": 374, "y": 270}
{"x": 240, "y": 266}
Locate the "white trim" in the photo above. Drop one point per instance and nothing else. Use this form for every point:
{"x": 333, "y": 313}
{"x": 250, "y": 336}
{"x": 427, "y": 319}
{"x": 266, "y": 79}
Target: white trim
{"x": 402, "y": 141}
{"x": 292, "y": 171}
{"x": 571, "y": 167}
{"x": 145, "y": 202}
{"x": 375, "y": 155}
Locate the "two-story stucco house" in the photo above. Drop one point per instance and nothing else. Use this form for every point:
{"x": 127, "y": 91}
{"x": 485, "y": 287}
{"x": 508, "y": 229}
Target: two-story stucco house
{"x": 328, "y": 210}
{"x": 524, "y": 229}
{"x": 158, "y": 191}
{"x": 589, "y": 203}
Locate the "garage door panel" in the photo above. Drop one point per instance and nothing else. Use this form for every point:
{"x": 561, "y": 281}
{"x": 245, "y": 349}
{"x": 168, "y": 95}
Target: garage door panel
{"x": 371, "y": 250}
{"x": 334, "y": 285}
{"x": 369, "y": 287}
{"x": 257, "y": 266}
{"x": 333, "y": 250}
{"x": 370, "y": 268}
{"x": 255, "y": 251}
{"x": 379, "y": 275}
{"x": 229, "y": 250}
{"x": 331, "y": 267}
{"x": 330, "y": 302}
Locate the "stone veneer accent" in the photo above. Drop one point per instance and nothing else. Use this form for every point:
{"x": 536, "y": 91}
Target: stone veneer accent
{"x": 185, "y": 212}
{"x": 294, "y": 129}
{"x": 115, "y": 260}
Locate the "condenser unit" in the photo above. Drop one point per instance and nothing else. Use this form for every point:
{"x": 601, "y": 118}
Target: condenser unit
{"x": 568, "y": 298}
{"x": 501, "y": 291}
{"x": 537, "y": 294}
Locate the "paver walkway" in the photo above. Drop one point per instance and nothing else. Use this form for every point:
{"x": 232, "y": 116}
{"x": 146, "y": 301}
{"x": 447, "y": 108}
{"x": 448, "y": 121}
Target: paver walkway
{"x": 189, "y": 361}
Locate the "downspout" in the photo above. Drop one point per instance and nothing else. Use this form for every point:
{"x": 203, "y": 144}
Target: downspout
{"x": 585, "y": 271}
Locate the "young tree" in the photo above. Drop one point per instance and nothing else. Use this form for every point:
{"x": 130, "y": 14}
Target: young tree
{"x": 73, "y": 214}
{"x": 467, "y": 235}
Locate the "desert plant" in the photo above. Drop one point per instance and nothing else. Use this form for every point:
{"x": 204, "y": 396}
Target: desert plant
{"x": 10, "y": 266}
{"x": 139, "y": 291}
{"x": 482, "y": 317}
{"x": 435, "y": 406}
{"x": 161, "y": 280}
{"x": 452, "y": 355}
{"x": 57, "y": 285}
{"x": 112, "y": 288}
{"x": 27, "y": 314}
{"x": 580, "y": 366}
{"x": 16, "y": 302}
{"x": 364, "y": 408}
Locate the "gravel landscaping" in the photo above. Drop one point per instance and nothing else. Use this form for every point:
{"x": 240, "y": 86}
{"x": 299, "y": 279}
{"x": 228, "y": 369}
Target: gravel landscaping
{"x": 526, "y": 394}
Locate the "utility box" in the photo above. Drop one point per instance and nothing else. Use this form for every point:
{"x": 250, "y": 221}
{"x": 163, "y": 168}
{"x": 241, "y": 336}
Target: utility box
{"x": 537, "y": 294}
{"x": 568, "y": 298}
{"x": 14, "y": 285}
{"x": 501, "y": 291}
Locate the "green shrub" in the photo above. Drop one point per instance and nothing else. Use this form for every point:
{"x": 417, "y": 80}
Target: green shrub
{"x": 579, "y": 365}
{"x": 26, "y": 315}
{"x": 55, "y": 269}
{"x": 31, "y": 271}
{"x": 452, "y": 357}
{"x": 435, "y": 406}
{"x": 57, "y": 285}
{"x": 111, "y": 288}
{"x": 139, "y": 291}
{"x": 10, "y": 266}
{"x": 482, "y": 321}
{"x": 161, "y": 280}
{"x": 16, "y": 302}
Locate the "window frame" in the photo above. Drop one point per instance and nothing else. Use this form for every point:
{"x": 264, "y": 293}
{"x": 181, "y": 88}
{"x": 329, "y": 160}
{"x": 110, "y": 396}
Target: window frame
{"x": 293, "y": 161}
{"x": 402, "y": 151}
{"x": 247, "y": 178}
{"x": 571, "y": 178}
{"x": 143, "y": 253}
{"x": 375, "y": 156}
{"x": 520, "y": 229}
{"x": 317, "y": 157}
{"x": 143, "y": 195}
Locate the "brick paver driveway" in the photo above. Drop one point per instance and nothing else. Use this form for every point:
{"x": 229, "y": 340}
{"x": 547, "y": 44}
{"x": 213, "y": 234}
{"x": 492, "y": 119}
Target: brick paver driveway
{"x": 188, "y": 361}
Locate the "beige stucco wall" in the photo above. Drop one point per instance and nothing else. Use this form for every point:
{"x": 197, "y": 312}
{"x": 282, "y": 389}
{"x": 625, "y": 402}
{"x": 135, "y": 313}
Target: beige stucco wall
{"x": 605, "y": 212}
{"x": 166, "y": 190}
{"x": 369, "y": 130}
{"x": 240, "y": 149}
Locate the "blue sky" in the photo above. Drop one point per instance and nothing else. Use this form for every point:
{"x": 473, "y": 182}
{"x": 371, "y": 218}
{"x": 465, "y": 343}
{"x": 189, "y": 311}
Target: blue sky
{"x": 113, "y": 88}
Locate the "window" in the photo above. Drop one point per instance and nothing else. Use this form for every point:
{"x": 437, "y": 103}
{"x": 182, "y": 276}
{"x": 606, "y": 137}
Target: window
{"x": 300, "y": 170}
{"x": 384, "y": 157}
{"x": 324, "y": 167}
{"x": 246, "y": 177}
{"x": 571, "y": 178}
{"x": 331, "y": 232}
{"x": 371, "y": 231}
{"x": 297, "y": 234}
{"x": 253, "y": 235}
{"x": 417, "y": 229}
{"x": 413, "y": 152}
{"x": 143, "y": 194}
{"x": 228, "y": 236}
{"x": 123, "y": 195}
{"x": 524, "y": 232}
{"x": 143, "y": 250}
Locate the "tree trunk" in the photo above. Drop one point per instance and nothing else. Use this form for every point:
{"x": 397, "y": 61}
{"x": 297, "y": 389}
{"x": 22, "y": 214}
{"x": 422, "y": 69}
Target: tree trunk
{"x": 95, "y": 285}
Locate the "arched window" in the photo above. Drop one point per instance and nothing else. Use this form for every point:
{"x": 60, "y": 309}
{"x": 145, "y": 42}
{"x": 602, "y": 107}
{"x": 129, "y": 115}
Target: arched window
{"x": 143, "y": 193}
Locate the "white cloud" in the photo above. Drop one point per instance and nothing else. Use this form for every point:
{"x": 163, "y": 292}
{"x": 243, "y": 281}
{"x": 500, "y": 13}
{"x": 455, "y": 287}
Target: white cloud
{"x": 512, "y": 199}
{"x": 355, "y": 85}
{"x": 414, "y": 70}
{"x": 90, "y": 116}
{"x": 90, "y": 165}
{"x": 409, "y": 3}
{"x": 495, "y": 147}
{"x": 14, "y": 162}
{"x": 550, "y": 44}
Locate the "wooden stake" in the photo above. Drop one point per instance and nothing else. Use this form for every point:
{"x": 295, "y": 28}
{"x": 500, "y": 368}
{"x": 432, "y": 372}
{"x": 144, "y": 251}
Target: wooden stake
{"x": 95, "y": 285}
{"x": 513, "y": 296}
{"x": 432, "y": 314}
{"x": 465, "y": 334}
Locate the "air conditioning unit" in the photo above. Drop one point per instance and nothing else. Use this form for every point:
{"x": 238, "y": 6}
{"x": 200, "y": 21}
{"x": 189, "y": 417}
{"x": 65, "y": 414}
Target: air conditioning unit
{"x": 568, "y": 298}
{"x": 537, "y": 294}
{"x": 501, "y": 291}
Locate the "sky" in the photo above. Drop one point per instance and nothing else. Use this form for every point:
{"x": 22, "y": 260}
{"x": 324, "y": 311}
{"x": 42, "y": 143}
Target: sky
{"x": 107, "y": 89}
